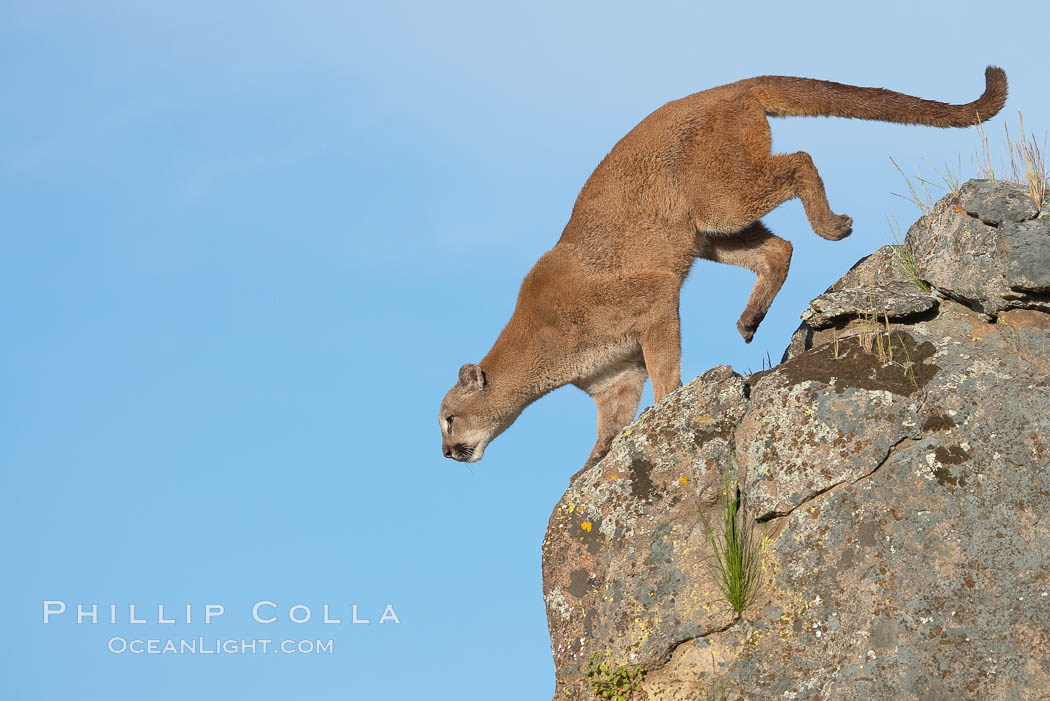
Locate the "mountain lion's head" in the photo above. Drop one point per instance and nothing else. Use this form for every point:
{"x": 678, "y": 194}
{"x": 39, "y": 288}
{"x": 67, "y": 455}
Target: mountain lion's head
{"x": 469, "y": 419}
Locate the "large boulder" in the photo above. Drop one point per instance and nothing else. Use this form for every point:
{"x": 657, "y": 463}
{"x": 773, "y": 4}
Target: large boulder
{"x": 897, "y": 464}
{"x": 988, "y": 249}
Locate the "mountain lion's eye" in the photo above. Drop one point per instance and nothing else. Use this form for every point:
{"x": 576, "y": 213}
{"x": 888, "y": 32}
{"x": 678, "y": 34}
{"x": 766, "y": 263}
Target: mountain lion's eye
{"x": 448, "y": 420}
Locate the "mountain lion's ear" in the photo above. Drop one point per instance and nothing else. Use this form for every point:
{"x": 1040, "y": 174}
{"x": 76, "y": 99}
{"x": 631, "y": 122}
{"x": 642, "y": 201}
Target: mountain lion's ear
{"x": 472, "y": 376}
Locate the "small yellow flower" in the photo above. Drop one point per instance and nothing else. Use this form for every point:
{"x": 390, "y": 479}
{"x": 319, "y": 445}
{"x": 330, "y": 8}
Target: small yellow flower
{"x": 683, "y": 479}
{"x": 612, "y": 477}
{"x": 586, "y": 525}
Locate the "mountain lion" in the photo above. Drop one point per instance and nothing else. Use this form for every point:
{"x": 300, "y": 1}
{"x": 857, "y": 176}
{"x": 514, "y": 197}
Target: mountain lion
{"x": 600, "y": 309}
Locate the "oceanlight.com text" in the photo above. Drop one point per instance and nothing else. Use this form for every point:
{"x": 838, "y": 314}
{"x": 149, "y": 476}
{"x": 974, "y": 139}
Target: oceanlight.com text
{"x": 213, "y": 646}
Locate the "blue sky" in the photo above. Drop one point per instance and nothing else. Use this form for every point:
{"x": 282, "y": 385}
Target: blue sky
{"x": 247, "y": 245}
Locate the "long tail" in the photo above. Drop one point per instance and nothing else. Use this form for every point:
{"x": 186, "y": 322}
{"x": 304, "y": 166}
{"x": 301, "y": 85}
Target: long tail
{"x": 782, "y": 96}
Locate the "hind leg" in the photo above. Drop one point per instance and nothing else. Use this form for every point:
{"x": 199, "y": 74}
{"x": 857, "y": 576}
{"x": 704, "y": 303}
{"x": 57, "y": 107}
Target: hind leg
{"x": 757, "y": 249}
{"x": 794, "y": 175}
{"x": 736, "y": 180}
{"x": 766, "y": 182}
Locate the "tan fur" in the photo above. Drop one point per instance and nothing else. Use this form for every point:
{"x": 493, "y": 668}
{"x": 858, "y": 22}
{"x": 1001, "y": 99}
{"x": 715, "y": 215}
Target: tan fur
{"x": 600, "y": 309}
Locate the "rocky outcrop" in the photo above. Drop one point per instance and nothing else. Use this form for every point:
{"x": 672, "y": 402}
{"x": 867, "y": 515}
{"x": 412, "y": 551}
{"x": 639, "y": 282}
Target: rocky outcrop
{"x": 897, "y": 463}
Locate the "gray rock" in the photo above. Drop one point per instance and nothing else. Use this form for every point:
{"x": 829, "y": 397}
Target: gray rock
{"x": 616, "y": 540}
{"x": 1025, "y": 249}
{"x": 902, "y": 481}
{"x": 876, "y": 287}
{"x": 997, "y": 201}
{"x": 989, "y": 251}
{"x": 894, "y": 301}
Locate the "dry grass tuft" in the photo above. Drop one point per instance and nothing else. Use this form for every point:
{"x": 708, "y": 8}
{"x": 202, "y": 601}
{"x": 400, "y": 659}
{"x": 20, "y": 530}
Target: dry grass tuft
{"x": 1024, "y": 164}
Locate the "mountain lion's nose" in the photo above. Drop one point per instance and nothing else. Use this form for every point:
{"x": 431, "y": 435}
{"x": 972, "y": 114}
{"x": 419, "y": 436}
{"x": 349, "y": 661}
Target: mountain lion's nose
{"x": 448, "y": 452}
